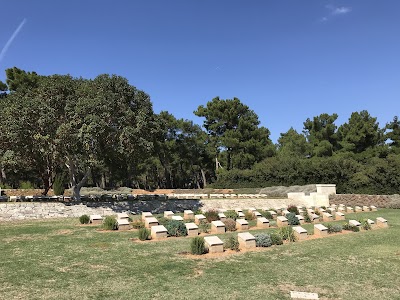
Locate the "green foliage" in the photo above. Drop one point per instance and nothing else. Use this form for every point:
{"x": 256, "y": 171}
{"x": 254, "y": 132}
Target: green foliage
{"x": 197, "y": 245}
{"x": 230, "y": 224}
{"x": 307, "y": 218}
{"x": 364, "y": 224}
{"x": 287, "y": 234}
{"x": 292, "y": 219}
{"x": 137, "y": 224}
{"x": 276, "y": 238}
{"x": 248, "y": 215}
{"x": 263, "y": 240}
{"x": 333, "y": 228}
{"x": 144, "y": 234}
{"x": 293, "y": 209}
{"x": 211, "y": 215}
{"x": 110, "y": 223}
{"x": 84, "y": 219}
{"x": 26, "y": 185}
{"x": 176, "y": 228}
{"x": 58, "y": 185}
{"x": 231, "y": 243}
{"x": 231, "y": 214}
{"x": 204, "y": 227}
{"x": 347, "y": 226}
{"x": 266, "y": 214}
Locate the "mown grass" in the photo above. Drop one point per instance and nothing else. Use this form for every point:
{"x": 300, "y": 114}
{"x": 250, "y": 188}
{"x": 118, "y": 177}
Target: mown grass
{"x": 58, "y": 259}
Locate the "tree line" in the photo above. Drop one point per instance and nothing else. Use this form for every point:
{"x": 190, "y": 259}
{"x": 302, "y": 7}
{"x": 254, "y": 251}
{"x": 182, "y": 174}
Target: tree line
{"x": 103, "y": 132}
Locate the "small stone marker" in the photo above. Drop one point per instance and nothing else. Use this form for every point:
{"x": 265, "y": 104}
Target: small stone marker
{"x": 217, "y": 227}
{"x": 150, "y": 222}
{"x": 365, "y": 208}
{"x": 321, "y": 210}
{"x": 314, "y": 218}
{"x": 122, "y": 216}
{"x": 241, "y": 215}
{"x": 168, "y": 214}
{"x": 188, "y": 214}
{"x": 252, "y": 209}
{"x": 273, "y": 214}
{"x": 199, "y": 218}
{"x": 246, "y": 240}
{"x": 341, "y": 209}
{"x": 214, "y": 244}
{"x": 320, "y": 230}
{"x": 222, "y": 216}
{"x": 238, "y": 210}
{"x": 300, "y": 233}
{"x": 357, "y": 209}
{"x": 242, "y": 224}
{"x": 285, "y": 212}
{"x": 123, "y": 224}
{"x": 146, "y": 214}
{"x": 355, "y": 223}
{"x": 192, "y": 229}
{"x": 177, "y": 218}
{"x": 281, "y": 221}
{"x": 279, "y": 211}
{"x": 301, "y": 219}
{"x": 96, "y": 219}
{"x": 372, "y": 224}
{"x": 262, "y": 222}
{"x": 381, "y": 222}
{"x": 257, "y": 214}
{"x": 349, "y": 209}
{"x": 327, "y": 217}
{"x": 373, "y": 208}
{"x": 303, "y": 295}
{"x": 339, "y": 216}
{"x": 158, "y": 232}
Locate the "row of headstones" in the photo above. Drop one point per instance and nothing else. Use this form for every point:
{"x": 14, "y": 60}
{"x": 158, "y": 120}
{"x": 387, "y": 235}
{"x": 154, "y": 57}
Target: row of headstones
{"x": 246, "y": 240}
{"x": 122, "y": 220}
{"x": 348, "y": 209}
{"x": 214, "y": 196}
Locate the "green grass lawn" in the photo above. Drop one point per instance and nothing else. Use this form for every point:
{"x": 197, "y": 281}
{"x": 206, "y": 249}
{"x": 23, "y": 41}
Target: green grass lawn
{"x": 58, "y": 259}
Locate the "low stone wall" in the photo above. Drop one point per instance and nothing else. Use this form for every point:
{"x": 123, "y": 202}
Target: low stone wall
{"x": 360, "y": 200}
{"x": 36, "y": 210}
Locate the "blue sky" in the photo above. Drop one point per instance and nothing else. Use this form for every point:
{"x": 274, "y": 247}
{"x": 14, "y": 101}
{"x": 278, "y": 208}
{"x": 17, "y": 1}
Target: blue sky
{"x": 287, "y": 60}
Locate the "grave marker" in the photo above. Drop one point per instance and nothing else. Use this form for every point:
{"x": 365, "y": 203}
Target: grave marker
{"x": 214, "y": 244}
{"x": 158, "y": 232}
{"x": 242, "y": 224}
{"x": 192, "y": 229}
{"x": 300, "y": 233}
{"x": 262, "y": 222}
{"x": 246, "y": 240}
{"x": 281, "y": 221}
{"x": 320, "y": 230}
{"x": 217, "y": 227}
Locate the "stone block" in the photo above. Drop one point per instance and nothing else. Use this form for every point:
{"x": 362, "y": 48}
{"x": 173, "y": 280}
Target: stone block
{"x": 314, "y": 218}
{"x": 158, "y": 232}
{"x": 273, "y": 214}
{"x": 373, "y": 208}
{"x": 339, "y": 216}
{"x": 262, "y": 222}
{"x": 192, "y": 229}
{"x": 366, "y": 208}
{"x": 188, "y": 215}
{"x": 123, "y": 224}
{"x": 96, "y": 219}
{"x": 199, "y": 218}
{"x": 281, "y": 221}
{"x": 303, "y": 295}
{"x": 238, "y": 210}
{"x": 257, "y": 214}
{"x": 241, "y": 215}
{"x": 150, "y": 222}
{"x": 300, "y": 233}
{"x": 372, "y": 224}
{"x": 122, "y": 216}
{"x": 221, "y": 216}
{"x": 301, "y": 219}
{"x": 357, "y": 209}
{"x": 355, "y": 223}
{"x": 177, "y": 218}
{"x": 217, "y": 227}
{"x": 214, "y": 244}
{"x": 320, "y": 230}
{"x": 285, "y": 212}
{"x": 341, "y": 209}
{"x": 252, "y": 209}
{"x": 349, "y": 209}
{"x": 327, "y": 217}
{"x": 246, "y": 240}
{"x": 242, "y": 224}
{"x": 168, "y": 214}
{"x": 381, "y": 222}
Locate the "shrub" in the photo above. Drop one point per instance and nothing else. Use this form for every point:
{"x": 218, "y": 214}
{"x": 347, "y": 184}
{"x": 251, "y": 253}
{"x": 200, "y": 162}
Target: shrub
{"x": 84, "y": 219}
{"x": 307, "y": 218}
{"x": 293, "y": 209}
{"x": 266, "y": 214}
{"x": 197, "y": 245}
{"x": 347, "y": 226}
{"x": 292, "y": 219}
{"x": 263, "y": 240}
{"x": 364, "y": 224}
{"x": 231, "y": 214}
{"x": 163, "y": 221}
{"x": 110, "y": 223}
{"x": 249, "y": 215}
{"x": 211, "y": 215}
{"x": 26, "y": 185}
{"x": 204, "y": 227}
{"x": 144, "y": 234}
{"x": 230, "y": 224}
{"x": 137, "y": 224}
{"x": 232, "y": 243}
{"x": 287, "y": 234}
{"x": 176, "y": 228}
{"x": 276, "y": 239}
{"x": 332, "y": 228}
{"x": 58, "y": 185}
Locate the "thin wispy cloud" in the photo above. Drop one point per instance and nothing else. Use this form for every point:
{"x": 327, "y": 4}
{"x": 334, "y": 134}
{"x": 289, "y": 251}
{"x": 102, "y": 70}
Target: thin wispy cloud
{"x": 11, "y": 39}
{"x": 335, "y": 11}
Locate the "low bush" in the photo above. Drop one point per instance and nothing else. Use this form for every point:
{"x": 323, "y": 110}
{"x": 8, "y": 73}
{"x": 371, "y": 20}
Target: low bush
{"x": 211, "y": 215}
{"x": 232, "y": 243}
{"x": 137, "y": 224}
{"x": 204, "y": 227}
{"x": 293, "y": 209}
{"x": 231, "y": 214}
{"x": 26, "y": 185}
{"x": 230, "y": 224}
{"x": 58, "y": 185}
{"x": 307, "y": 218}
{"x": 333, "y": 228}
{"x": 144, "y": 234}
{"x": 197, "y": 246}
{"x": 292, "y": 219}
{"x": 266, "y": 214}
{"x": 84, "y": 219}
{"x": 263, "y": 240}
{"x": 176, "y": 228}
{"x": 249, "y": 216}
{"x": 163, "y": 221}
{"x": 287, "y": 234}
{"x": 347, "y": 226}
{"x": 276, "y": 239}
{"x": 364, "y": 224}
{"x": 110, "y": 223}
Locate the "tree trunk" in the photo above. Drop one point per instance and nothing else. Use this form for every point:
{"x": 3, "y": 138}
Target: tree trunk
{"x": 75, "y": 184}
{"x": 203, "y": 175}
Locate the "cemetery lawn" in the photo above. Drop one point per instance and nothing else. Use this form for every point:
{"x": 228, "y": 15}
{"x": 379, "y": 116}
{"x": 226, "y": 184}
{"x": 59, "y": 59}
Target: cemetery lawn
{"x": 59, "y": 259}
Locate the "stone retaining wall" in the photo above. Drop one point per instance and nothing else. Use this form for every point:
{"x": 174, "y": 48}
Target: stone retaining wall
{"x": 36, "y": 210}
{"x": 360, "y": 200}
